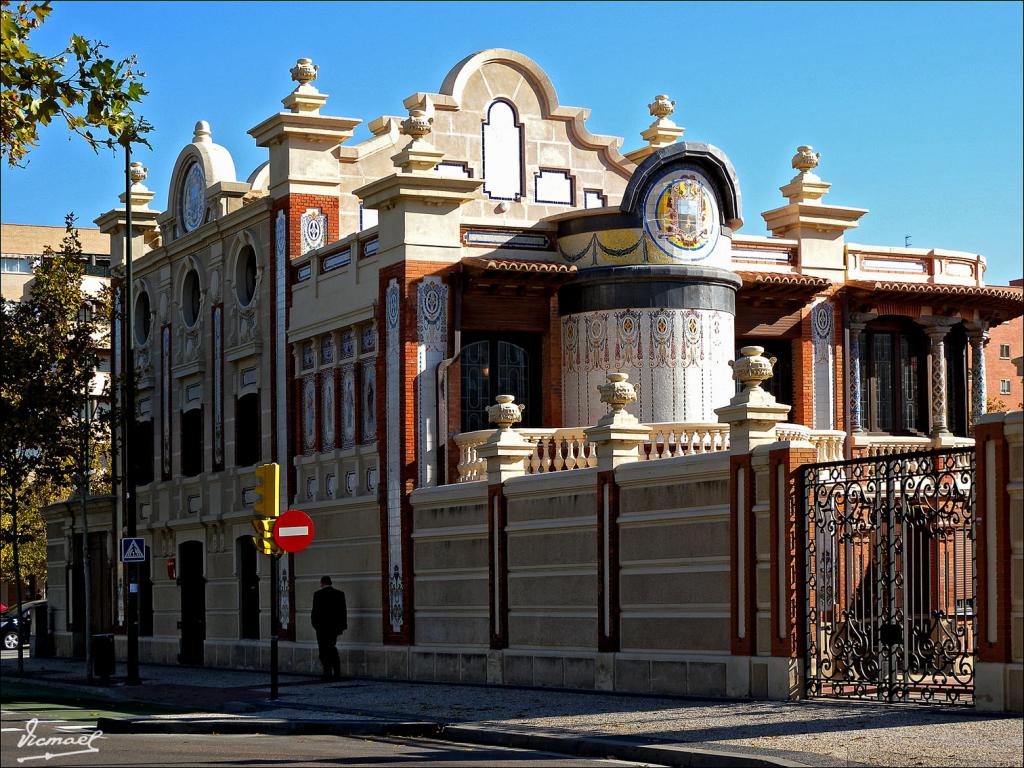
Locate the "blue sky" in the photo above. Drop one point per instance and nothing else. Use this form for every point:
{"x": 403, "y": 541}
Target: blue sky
{"x": 916, "y": 108}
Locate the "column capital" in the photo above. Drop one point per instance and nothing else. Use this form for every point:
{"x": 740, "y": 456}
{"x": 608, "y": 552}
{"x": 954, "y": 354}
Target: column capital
{"x": 977, "y": 330}
{"x": 937, "y": 326}
{"x": 859, "y": 320}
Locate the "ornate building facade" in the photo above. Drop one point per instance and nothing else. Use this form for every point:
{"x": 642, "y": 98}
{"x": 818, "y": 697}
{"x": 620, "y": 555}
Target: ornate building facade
{"x": 350, "y": 310}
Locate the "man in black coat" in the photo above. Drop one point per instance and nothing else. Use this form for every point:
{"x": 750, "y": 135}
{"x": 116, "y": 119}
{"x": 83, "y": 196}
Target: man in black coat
{"x": 330, "y": 619}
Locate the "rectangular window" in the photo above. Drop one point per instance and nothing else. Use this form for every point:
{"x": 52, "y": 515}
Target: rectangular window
{"x": 1004, "y": 386}
{"x": 192, "y": 442}
{"x": 17, "y": 265}
{"x": 142, "y": 452}
{"x": 247, "y": 430}
{"x": 883, "y": 381}
{"x": 1004, "y": 351}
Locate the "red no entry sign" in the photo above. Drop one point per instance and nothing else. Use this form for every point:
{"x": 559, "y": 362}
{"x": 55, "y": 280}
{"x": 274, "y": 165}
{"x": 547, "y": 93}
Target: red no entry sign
{"x": 293, "y": 531}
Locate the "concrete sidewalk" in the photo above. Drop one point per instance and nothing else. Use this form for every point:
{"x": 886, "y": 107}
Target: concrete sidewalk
{"x": 663, "y": 730}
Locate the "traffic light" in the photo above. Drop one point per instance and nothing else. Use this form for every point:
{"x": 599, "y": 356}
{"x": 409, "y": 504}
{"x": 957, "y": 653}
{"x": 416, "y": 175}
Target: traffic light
{"x": 264, "y": 540}
{"x": 267, "y": 502}
{"x": 267, "y": 506}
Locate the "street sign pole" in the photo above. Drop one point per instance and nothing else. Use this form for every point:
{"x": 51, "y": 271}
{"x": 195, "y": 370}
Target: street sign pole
{"x": 275, "y": 622}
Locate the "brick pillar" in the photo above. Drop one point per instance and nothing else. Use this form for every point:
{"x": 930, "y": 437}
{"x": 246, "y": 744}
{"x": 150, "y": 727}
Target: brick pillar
{"x": 999, "y": 541}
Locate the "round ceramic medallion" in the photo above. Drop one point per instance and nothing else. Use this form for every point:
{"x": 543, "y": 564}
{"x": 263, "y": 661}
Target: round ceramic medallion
{"x": 681, "y": 215}
{"x": 193, "y": 197}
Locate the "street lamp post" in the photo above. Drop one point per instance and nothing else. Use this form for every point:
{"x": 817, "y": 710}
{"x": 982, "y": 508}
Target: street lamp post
{"x": 128, "y": 419}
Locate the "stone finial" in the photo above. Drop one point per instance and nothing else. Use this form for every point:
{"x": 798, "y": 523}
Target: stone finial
{"x": 662, "y": 106}
{"x": 505, "y": 412}
{"x": 304, "y": 71}
{"x": 806, "y": 159}
{"x": 305, "y": 98}
{"x": 419, "y": 155}
{"x": 417, "y": 124}
{"x": 805, "y": 187}
{"x": 753, "y": 413}
{"x": 662, "y": 132}
{"x": 617, "y": 393}
{"x": 140, "y": 195}
{"x": 752, "y": 369}
{"x": 202, "y": 132}
{"x": 137, "y": 173}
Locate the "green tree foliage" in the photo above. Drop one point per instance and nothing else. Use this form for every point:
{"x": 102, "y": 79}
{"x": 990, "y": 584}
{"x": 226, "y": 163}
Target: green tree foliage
{"x": 92, "y": 93}
{"x": 49, "y": 346}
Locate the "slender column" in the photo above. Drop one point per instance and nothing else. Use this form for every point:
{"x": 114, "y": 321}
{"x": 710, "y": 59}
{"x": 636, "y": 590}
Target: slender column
{"x": 858, "y": 322}
{"x": 977, "y": 334}
{"x": 936, "y": 328}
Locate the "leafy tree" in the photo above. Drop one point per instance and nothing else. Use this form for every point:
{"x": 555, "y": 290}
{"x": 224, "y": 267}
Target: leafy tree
{"x": 49, "y": 346}
{"x": 92, "y": 93}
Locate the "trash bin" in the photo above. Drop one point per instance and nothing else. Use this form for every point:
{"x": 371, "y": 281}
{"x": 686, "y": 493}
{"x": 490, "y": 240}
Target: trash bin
{"x": 103, "y": 656}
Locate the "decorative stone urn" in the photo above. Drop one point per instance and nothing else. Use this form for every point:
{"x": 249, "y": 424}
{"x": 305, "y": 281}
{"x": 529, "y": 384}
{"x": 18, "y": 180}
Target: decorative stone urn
{"x": 806, "y": 159}
{"x": 417, "y": 124}
{"x": 618, "y": 393}
{"x": 753, "y": 368}
{"x": 505, "y": 451}
{"x": 662, "y": 106}
{"x": 505, "y": 413}
{"x": 304, "y": 71}
{"x": 137, "y": 173}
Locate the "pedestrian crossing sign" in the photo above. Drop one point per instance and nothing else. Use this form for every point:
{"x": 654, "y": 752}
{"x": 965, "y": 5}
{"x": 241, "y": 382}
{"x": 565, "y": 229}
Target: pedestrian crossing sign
{"x": 133, "y": 550}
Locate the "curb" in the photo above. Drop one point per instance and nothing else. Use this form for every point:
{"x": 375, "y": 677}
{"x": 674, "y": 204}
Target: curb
{"x": 667, "y": 754}
{"x": 269, "y": 726}
{"x": 622, "y": 749}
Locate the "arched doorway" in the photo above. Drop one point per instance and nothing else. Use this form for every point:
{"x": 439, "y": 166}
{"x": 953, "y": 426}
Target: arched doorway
{"x": 192, "y": 590}
{"x": 248, "y": 589}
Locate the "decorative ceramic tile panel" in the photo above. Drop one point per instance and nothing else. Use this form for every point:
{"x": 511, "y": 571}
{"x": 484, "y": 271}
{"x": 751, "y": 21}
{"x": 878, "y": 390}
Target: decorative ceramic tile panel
{"x": 308, "y": 415}
{"x": 369, "y": 404}
{"x": 393, "y": 496}
{"x": 348, "y": 406}
{"x": 432, "y": 332}
{"x": 327, "y": 349}
{"x": 165, "y": 401}
{"x": 677, "y": 359}
{"x": 218, "y": 386}
{"x": 327, "y": 410}
{"x": 280, "y": 364}
{"x": 308, "y": 358}
{"x": 823, "y": 396}
{"x": 313, "y": 227}
{"x": 348, "y": 344}
{"x": 193, "y": 198}
{"x": 369, "y": 339}
{"x": 336, "y": 260}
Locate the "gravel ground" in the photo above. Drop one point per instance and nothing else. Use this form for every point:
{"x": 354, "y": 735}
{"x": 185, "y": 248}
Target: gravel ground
{"x": 826, "y": 733}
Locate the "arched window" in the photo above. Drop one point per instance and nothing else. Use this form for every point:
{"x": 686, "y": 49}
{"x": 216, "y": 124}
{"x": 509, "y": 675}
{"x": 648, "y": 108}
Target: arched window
{"x": 191, "y": 298}
{"x": 502, "y": 153}
{"x": 492, "y": 367}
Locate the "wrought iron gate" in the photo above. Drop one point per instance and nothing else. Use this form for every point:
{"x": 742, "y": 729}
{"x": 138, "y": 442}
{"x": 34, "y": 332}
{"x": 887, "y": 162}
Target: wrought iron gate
{"x": 890, "y": 581}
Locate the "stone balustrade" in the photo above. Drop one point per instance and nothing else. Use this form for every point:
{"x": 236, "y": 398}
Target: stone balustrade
{"x": 564, "y": 448}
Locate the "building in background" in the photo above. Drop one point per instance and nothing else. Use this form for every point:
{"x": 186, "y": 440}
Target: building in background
{"x": 1003, "y": 358}
{"x": 349, "y": 311}
{"x": 22, "y": 245}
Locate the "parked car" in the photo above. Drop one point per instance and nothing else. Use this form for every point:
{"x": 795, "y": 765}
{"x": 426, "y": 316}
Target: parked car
{"x": 11, "y": 623}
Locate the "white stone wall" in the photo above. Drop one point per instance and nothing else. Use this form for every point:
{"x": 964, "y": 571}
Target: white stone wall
{"x": 677, "y": 358}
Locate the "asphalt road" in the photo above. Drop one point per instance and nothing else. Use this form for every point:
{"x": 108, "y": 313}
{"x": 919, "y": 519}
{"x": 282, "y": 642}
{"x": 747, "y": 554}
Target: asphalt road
{"x": 75, "y": 724}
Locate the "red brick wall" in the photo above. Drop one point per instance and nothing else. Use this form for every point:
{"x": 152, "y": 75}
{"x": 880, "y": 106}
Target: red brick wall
{"x": 997, "y": 369}
{"x": 793, "y": 568}
{"x": 408, "y": 274}
{"x": 803, "y": 373}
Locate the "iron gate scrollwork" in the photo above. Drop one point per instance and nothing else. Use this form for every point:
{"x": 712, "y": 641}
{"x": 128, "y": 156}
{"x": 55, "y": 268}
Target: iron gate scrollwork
{"x": 890, "y": 579}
